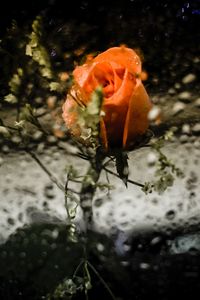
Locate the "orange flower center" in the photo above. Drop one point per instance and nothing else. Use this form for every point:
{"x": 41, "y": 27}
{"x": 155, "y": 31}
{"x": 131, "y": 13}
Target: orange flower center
{"x": 103, "y": 74}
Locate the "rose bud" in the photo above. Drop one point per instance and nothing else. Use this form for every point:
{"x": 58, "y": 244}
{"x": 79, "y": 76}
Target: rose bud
{"x": 125, "y": 103}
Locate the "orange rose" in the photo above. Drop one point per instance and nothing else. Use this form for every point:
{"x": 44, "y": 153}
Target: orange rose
{"x": 125, "y": 101}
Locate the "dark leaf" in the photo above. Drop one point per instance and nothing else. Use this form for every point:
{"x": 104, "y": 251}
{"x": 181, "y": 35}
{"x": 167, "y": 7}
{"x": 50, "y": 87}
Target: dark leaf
{"x": 122, "y": 166}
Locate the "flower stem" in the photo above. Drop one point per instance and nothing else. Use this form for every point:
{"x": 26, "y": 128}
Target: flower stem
{"x": 89, "y": 186}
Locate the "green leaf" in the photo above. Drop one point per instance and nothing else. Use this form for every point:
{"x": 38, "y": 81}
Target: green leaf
{"x": 163, "y": 183}
{"x": 148, "y": 187}
{"x": 37, "y": 50}
{"x": 89, "y": 118}
{"x": 29, "y": 50}
{"x": 54, "y": 86}
{"x": 10, "y": 98}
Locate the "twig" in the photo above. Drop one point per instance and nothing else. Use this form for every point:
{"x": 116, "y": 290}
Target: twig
{"x": 128, "y": 180}
{"x": 66, "y": 200}
{"x": 51, "y": 176}
{"x": 101, "y": 279}
{"x": 78, "y": 267}
{"x": 9, "y": 127}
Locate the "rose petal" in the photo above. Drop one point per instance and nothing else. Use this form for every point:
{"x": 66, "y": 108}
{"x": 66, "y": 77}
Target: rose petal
{"x": 115, "y": 109}
{"x": 126, "y": 103}
{"x": 122, "y": 56}
{"x": 137, "y": 116}
{"x": 81, "y": 73}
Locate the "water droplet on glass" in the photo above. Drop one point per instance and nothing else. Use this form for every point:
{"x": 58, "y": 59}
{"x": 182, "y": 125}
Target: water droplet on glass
{"x": 53, "y": 53}
{"x": 170, "y": 215}
{"x": 11, "y": 221}
{"x": 84, "y": 5}
{"x": 151, "y": 159}
{"x": 144, "y": 266}
{"x": 49, "y": 192}
{"x": 100, "y": 247}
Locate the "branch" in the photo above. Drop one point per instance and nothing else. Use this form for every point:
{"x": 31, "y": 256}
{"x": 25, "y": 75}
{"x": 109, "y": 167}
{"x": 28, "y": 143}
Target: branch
{"x": 51, "y": 176}
{"x": 128, "y": 180}
{"x": 102, "y": 280}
